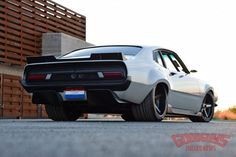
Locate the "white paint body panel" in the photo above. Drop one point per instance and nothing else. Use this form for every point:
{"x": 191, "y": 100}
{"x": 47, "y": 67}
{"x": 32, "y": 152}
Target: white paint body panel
{"x": 186, "y": 93}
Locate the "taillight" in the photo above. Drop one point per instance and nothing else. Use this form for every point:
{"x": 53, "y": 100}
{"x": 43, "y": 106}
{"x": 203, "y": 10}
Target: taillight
{"x": 113, "y": 75}
{"x": 37, "y": 77}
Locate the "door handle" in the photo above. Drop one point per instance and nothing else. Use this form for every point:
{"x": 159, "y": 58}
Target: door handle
{"x": 172, "y": 74}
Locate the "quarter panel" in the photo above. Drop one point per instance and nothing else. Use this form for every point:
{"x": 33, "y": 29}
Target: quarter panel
{"x": 144, "y": 76}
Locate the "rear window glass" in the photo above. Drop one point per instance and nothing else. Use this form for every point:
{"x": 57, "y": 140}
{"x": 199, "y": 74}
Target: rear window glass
{"x": 85, "y": 53}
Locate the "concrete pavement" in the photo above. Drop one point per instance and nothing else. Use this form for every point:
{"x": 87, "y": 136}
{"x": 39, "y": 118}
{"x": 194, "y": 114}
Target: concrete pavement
{"x": 101, "y": 138}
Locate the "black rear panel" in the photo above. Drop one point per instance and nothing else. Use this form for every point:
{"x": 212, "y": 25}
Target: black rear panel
{"x": 70, "y": 74}
{"x": 93, "y": 56}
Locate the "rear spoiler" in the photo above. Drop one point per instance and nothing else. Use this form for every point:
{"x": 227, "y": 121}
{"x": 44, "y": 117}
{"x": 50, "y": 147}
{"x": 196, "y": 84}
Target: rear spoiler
{"x": 107, "y": 56}
{"x": 40, "y": 59}
{"x": 94, "y": 56}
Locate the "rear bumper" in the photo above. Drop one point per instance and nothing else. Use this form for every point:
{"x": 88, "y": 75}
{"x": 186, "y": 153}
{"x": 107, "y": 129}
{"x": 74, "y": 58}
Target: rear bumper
{"x": 60, "y": 87}
{"x": 98, "y": 101}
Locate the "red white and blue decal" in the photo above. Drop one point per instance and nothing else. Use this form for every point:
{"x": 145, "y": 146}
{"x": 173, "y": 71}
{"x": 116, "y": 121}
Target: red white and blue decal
{"x": 75, "y": 94}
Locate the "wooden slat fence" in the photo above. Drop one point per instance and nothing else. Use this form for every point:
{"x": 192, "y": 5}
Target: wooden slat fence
{"x": 22, "y": 23}
{"x": 15, "y": 101}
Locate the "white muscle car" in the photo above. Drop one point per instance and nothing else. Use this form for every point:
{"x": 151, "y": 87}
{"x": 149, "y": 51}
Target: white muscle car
{"x": 142, "y": 83}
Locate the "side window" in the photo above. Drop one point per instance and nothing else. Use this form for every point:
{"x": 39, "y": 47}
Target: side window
{"x": 176, "y": 63}
{"x": 169, "y": 63}
{"x": 157, "y": 58}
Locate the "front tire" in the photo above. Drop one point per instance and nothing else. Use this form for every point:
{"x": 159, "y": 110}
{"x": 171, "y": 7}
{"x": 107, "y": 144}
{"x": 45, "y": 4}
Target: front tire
{"x": 62, "y": 112}
{"x": 153, "y": 108}
{"x": 207, "y": 110}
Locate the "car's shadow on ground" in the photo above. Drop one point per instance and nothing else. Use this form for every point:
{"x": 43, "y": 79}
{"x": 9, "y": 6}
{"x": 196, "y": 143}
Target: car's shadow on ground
{"x": 92, "y": 121}
{"x": 104, "y": 121}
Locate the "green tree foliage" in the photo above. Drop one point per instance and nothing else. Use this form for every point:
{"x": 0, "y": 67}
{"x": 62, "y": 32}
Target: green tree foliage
{"x": 233, "y": 109}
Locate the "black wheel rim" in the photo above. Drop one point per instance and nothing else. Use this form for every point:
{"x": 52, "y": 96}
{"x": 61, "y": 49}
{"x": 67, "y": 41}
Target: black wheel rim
{"x": 207, "y": 108}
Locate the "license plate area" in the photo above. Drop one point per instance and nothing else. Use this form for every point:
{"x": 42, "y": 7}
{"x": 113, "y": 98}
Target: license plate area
{"x": 75, "y": 94}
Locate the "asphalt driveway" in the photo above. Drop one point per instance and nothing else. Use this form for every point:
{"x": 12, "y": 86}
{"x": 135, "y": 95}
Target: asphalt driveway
{"x": 113, "y": 138}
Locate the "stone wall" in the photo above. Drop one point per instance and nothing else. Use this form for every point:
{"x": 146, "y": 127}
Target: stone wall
{"x": 59, "y": 43}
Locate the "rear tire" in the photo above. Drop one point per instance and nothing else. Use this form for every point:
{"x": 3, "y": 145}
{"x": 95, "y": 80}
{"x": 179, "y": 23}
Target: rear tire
{"x": 62, "y": 112}
{"x": 128, "y": 116}
{"x": 154, "y": 106}
{"x": 207, "y": 110}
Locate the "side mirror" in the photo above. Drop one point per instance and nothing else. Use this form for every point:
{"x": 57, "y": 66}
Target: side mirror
{"x": 193, "y": 71}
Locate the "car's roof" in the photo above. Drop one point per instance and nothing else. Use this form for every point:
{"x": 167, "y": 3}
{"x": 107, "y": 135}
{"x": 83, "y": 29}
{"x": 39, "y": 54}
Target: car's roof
{"x": 151, "y": 47}
{"x": 145, "y": 48}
